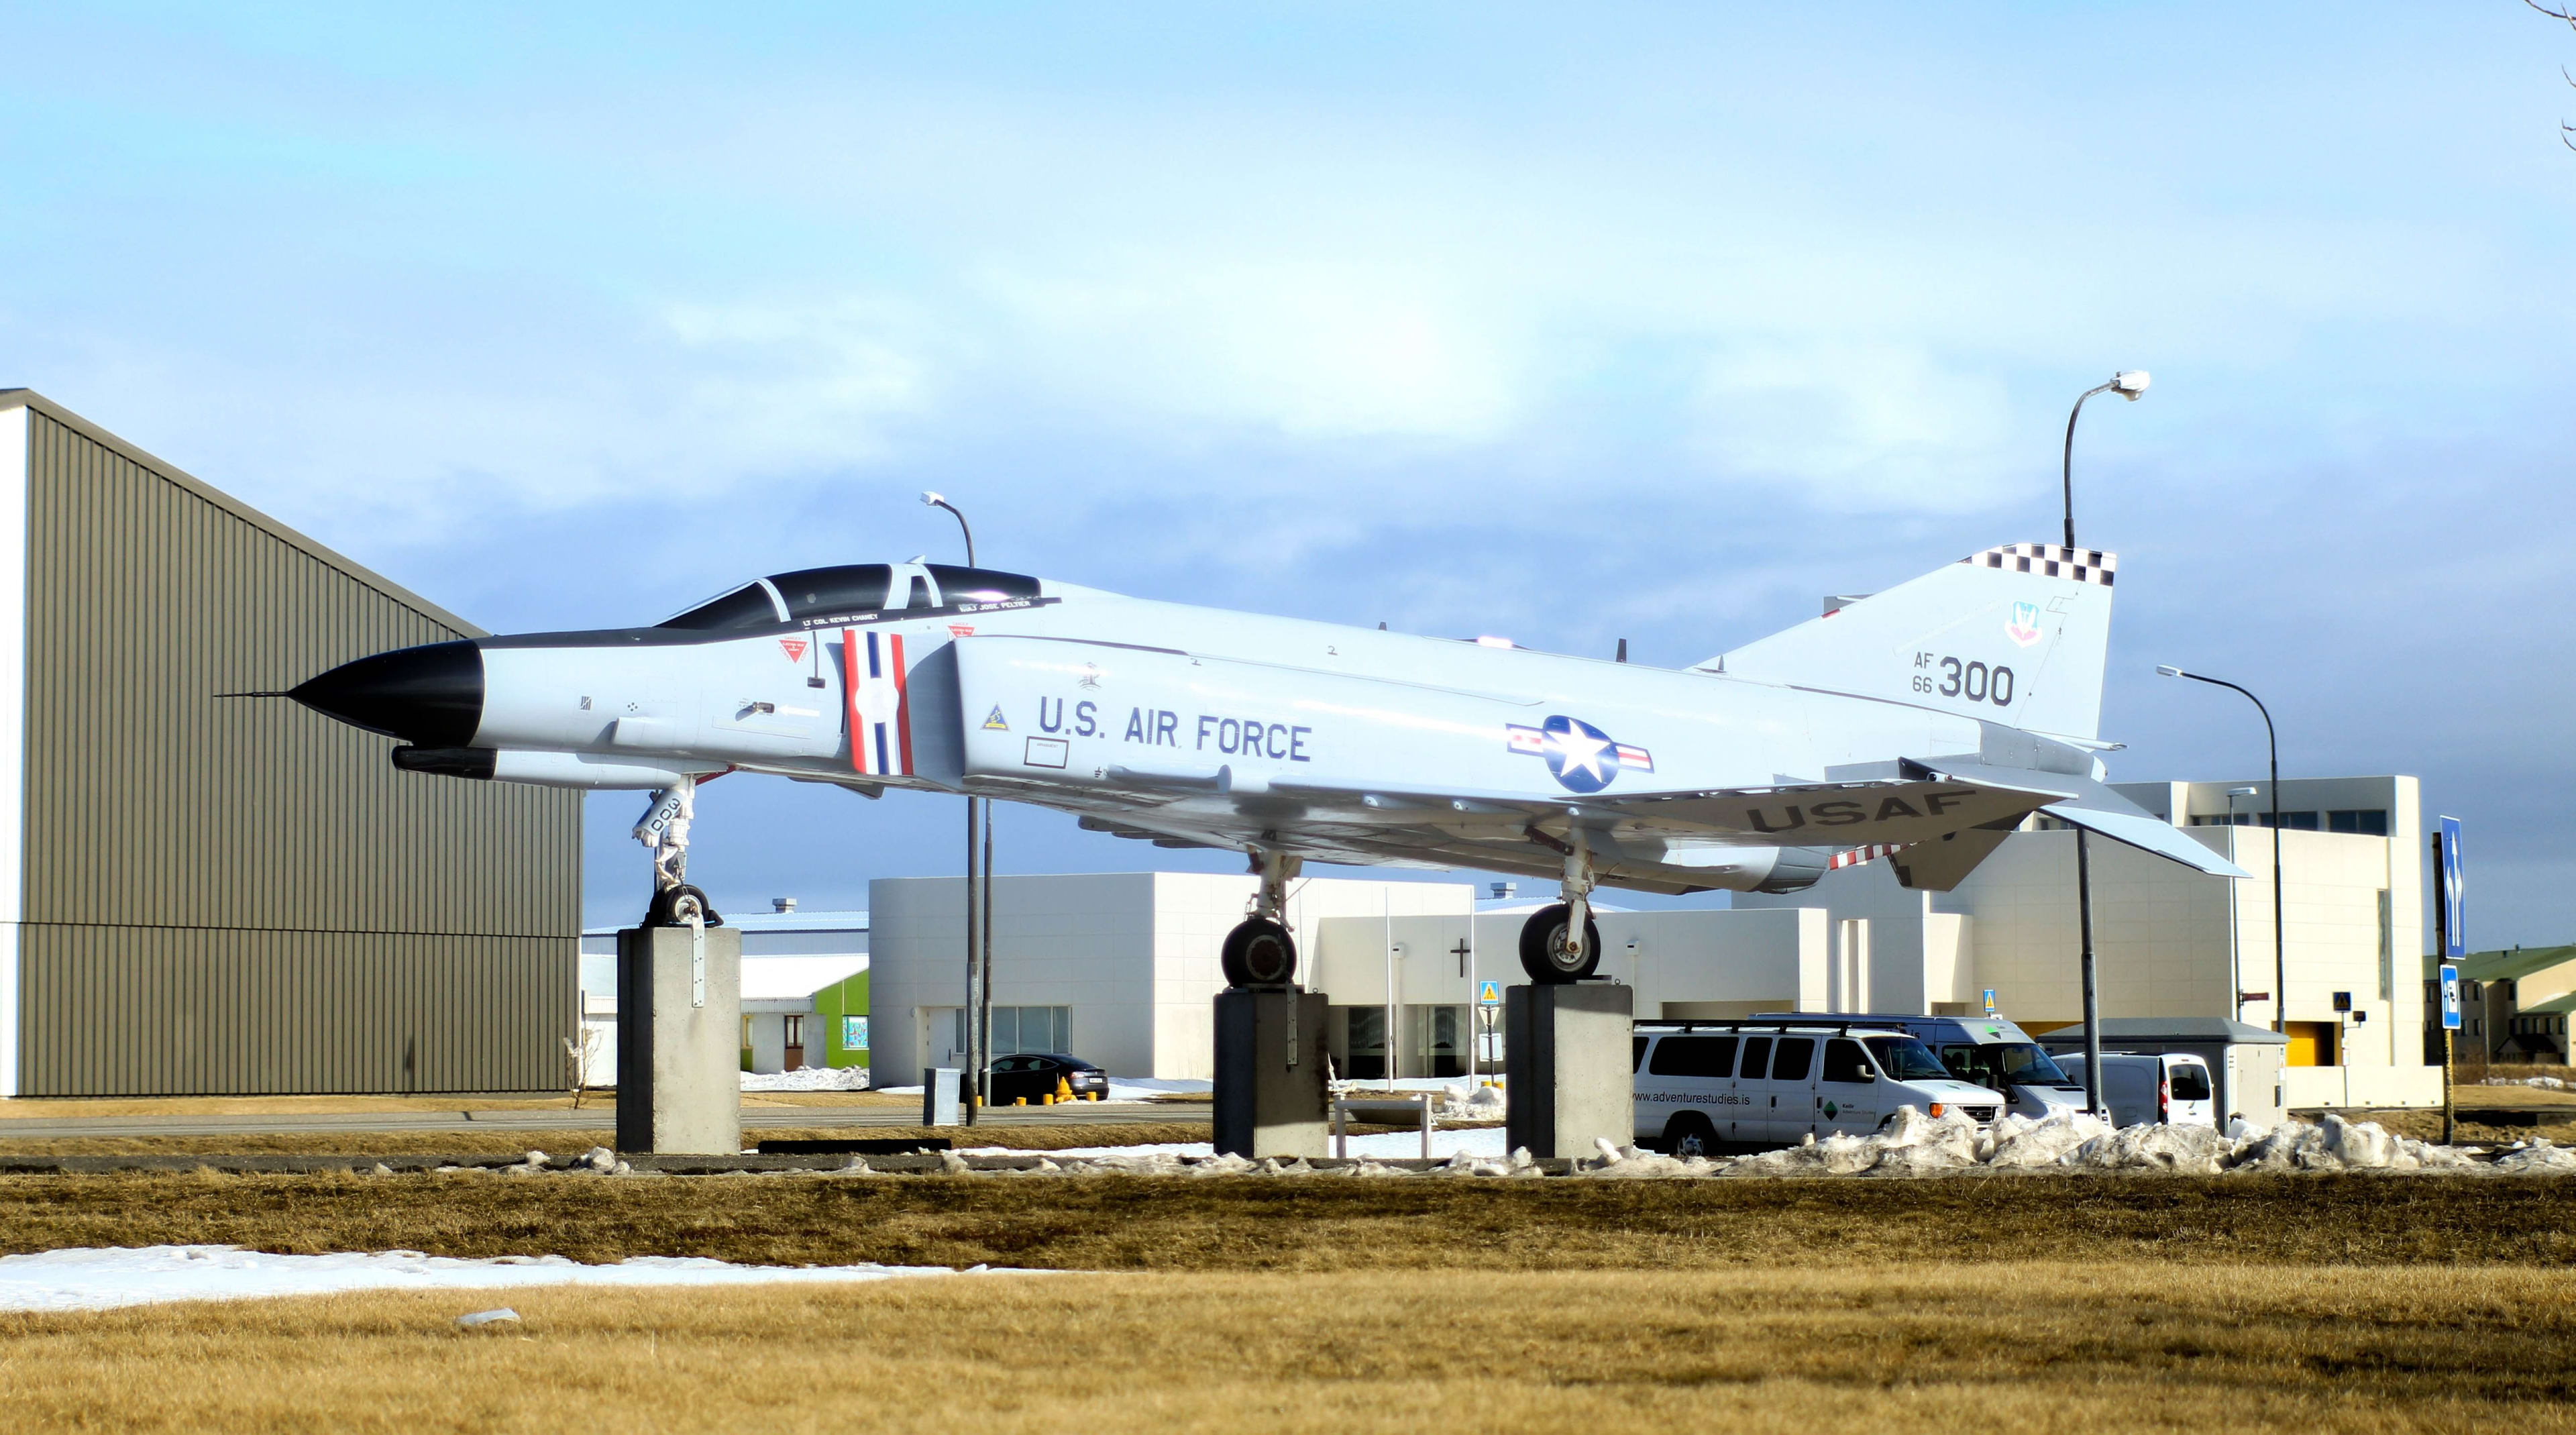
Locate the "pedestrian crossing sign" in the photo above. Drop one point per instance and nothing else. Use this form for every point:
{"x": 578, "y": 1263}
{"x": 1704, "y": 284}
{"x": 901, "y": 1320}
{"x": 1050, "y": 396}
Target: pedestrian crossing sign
{"x": 1489, "y": 993}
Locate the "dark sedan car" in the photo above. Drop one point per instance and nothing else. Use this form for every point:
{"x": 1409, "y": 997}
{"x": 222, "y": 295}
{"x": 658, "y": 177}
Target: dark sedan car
{"x": 1031, "y": 1076}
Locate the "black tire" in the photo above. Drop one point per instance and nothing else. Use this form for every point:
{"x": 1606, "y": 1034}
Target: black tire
{"x": 1539, "y": 955}
{"x": 673, "y": 906}
{"x": 1259, "y": 953}
{"x": 1690, "y": 1134}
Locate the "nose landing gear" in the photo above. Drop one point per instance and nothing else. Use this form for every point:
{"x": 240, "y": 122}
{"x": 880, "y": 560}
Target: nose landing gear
{"x": 1260, "y": 952}
{"x": 664, "y": 831}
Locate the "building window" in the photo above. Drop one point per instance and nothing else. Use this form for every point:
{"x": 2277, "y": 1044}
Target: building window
{"x": 1018, "y": 1029}
{"x": 2368, "y": 822}
{"x": 1367, "y": 1044}
{"x": 2387, "y": 947}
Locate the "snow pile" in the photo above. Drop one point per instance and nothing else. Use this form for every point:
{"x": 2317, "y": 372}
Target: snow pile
{"x": 2191, "y": 1150}
{"x": 1485, "y": 1103}
{"x": 597, "y": 1159}
{"x": 809, "y": 1078}
{"x": 90, "y": 1279}
{"x": 2545, "y": 1083}
{"x": 2539, "y": 1158}
{"x": 1629, "y": 1163}
{"x": 2018, "y": 1143}
{"x": 2339, "y": 1145}
{"x": 1911, "y": 1144}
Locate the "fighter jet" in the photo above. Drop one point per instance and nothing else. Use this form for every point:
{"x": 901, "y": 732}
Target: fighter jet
{"x": 1918, "y": 726}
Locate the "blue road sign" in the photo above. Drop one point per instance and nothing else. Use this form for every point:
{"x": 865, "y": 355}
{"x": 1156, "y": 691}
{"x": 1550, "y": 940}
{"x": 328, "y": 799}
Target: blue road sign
{"x": 1990, "y": 1001}
{"x": 2450, "y": 997}
{"x": 2455, "y": 926}
{"x": 1489, "y": 993}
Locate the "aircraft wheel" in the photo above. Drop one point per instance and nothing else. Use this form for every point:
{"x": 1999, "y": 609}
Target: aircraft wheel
{"x": 1541, "y": 937}
{"x": 1689, "y": 1134}
{"x": 1259, "y": 953}
{"x": 674, "y": 906}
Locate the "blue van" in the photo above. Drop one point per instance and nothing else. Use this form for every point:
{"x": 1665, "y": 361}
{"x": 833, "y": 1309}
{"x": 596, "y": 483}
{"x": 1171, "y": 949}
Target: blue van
{"x": 1988, "y": 1051}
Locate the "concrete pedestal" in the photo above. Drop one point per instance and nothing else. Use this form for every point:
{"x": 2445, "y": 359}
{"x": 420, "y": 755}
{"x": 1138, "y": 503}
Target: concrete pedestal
{"x": 1271, "y": 1057}
{"x": 1569, "y": 1075}
{"x": 679, "y": 1040}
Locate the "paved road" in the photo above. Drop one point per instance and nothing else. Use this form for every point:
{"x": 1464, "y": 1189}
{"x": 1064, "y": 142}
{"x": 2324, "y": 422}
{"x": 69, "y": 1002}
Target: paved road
{"x": 592, "y": 1119}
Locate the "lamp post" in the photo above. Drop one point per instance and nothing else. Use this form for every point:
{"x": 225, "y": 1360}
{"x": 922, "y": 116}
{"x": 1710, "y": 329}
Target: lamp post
{"x": 2271, "y": 740}
{"x": 979, "y": 914}
{"x": 2235, "y": 938}
{"x": 2128, "y": 384}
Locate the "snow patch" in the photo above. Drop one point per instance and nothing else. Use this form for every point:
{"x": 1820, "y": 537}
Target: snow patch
{"x": 98, "y": 1279}
{"x": 2544, "y": 1083}
{"x": 809, "y": 1078}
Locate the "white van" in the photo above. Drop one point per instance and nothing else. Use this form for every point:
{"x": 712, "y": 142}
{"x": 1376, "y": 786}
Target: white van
{"x": 1987, "y": 1050}
{"x": 1706, "y": 1086}
{"x": 2173, "y": 1089}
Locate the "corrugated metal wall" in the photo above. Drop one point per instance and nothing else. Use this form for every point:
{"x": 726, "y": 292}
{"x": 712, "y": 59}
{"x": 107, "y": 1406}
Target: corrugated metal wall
{"x": 237, "y": 894}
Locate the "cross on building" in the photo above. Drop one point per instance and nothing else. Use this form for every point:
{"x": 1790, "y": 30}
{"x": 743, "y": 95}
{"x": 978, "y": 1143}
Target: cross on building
{"x": 1463, "y": 951}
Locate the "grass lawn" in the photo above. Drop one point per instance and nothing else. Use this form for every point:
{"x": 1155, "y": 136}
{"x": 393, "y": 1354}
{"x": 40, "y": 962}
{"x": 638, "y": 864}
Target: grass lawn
{"x": 1865, "y": 1344}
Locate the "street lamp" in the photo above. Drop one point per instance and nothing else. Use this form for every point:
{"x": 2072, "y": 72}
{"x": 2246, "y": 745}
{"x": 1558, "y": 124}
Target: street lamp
{"x": 979, "y": 903}
{"x": 2272, "y": 739}
{"x": 2128, "y": 384}
{"x": 2235, "y": 942}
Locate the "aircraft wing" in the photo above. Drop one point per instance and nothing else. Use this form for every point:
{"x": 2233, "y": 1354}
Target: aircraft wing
{"x": 1847, "y": 814}
{"x": 2090, "y": 805}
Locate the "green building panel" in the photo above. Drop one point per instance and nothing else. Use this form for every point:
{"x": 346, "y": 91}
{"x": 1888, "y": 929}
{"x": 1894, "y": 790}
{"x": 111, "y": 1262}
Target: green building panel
{"x": 841, "y": 1009}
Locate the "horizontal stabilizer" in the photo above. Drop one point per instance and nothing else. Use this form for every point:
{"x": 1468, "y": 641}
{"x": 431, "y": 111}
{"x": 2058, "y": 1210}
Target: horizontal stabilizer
{"x": 2096, "y": 808}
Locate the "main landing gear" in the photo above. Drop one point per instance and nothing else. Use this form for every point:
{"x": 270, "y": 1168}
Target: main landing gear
{"x": 1259, "y": 952}
{"x": 665, "y": 832}
{"x": 1560, "y": 943}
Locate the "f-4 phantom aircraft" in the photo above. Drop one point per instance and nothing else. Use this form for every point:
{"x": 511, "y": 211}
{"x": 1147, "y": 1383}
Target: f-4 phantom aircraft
{"x": 1918, "y": 726}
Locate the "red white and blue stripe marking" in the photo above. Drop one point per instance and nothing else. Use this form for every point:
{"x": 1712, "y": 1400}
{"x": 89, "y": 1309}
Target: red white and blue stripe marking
{"x": 873, "y": 677}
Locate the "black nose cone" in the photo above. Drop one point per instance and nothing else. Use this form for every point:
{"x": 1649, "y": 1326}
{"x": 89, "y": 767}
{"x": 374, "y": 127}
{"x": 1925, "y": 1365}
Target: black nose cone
{"x": 430, "y": 696}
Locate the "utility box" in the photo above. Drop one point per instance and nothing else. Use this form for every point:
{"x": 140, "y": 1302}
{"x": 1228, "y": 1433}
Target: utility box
{"x": 1569, "y": 1070}
{"x": 1271, "y": 1060}
{"x": 679, "y": 1040}
{"x": 940, "y": 1103}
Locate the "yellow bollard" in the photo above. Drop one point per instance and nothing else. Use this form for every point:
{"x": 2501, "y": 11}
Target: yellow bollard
{"x": 1062, "y": 1091}
{"x": 1019, "y": 1101}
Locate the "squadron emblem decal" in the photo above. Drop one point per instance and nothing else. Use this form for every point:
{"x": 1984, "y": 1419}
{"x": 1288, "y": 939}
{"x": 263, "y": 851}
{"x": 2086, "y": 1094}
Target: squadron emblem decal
{"x": 1581, "y": 757}
{"x": 2023, "y": 626}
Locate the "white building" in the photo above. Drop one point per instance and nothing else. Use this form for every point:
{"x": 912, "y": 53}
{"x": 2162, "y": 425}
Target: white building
{"x": 796, "y": 971}
{"x": 1120, "y": 969}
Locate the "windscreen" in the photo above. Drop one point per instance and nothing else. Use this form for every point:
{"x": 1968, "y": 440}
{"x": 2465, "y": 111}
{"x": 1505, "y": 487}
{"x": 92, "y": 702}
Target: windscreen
{"x": 980, "y": 585}
{"x": 1905, "y": 1059}
{"x": 2003, "y": 1065}
{"x": 745, "y": 607}
{"x": 822, "y": 592}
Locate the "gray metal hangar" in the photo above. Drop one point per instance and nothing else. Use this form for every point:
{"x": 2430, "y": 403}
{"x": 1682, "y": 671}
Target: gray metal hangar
{"x": 212, "y": 895}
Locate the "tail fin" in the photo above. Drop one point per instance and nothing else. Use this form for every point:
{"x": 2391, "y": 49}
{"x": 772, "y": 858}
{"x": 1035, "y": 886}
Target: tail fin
{"x": 2014, "y": 635}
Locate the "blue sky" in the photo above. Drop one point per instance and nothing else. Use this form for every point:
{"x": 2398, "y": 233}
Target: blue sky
{"x": 1642, "y": 322}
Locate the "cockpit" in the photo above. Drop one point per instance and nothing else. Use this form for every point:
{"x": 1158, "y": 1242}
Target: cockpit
{"x": 853, "y": 592}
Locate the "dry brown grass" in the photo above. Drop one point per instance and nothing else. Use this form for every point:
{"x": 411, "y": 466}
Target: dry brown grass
{"x": 1322, "y": 1223}
{"x": 1902, "y": 1347}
